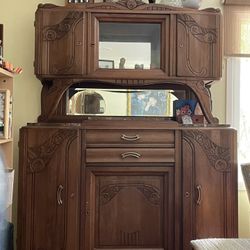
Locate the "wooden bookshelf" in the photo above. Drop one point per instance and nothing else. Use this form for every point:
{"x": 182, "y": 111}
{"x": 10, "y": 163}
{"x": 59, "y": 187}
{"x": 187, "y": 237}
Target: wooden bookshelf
{"x": 6, "y": 144}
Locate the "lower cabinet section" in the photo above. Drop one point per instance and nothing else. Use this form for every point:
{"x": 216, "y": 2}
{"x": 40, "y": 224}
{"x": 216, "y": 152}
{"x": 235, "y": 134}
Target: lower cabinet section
{"x": 160, "y": 196}
{"x": 49, "y": 185}
{"x": 129, "y": 208}
{"x": 209, "y": 171}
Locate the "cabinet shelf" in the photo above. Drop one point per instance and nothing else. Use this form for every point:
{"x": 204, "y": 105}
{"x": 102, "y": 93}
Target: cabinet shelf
{"x": 4, "y": 72}
{"x": 2, "y": 141}
{"x": 6, "y": 144}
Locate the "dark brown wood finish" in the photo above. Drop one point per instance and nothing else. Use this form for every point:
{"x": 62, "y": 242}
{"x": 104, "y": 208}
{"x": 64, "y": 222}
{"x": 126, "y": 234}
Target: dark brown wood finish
{"x": 198, "y": 45}
{"x": 60, "y": 41}
{"x": 209, "y": 184}
{"x": 154, "y": 202}
{"x": 49, "y": 189}
{"x": 67, "y": 49}
{"x": 120, "y": 201}
{"x": 75, "y": 30}
{"x": 89, "y": 183}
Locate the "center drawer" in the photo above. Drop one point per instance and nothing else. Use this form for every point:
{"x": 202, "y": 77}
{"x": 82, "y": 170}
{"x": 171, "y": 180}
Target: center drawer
{"x": 133, "y": 136}
{"x": 96, "y": 155}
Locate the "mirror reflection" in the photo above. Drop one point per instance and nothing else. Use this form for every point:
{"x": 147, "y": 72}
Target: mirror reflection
{"x": 120, "y": 102}
{"x": 129, "y": 45}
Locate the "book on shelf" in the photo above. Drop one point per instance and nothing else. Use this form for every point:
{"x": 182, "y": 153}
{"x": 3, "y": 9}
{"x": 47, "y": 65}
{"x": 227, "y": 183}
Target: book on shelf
{"x": 5, "y": 114}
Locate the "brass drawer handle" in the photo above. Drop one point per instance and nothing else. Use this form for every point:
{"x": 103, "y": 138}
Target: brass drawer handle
{"x": 59, "y": 195}
{"x": 130, "y": 154}
{"x": 130, "y": 137}
{"x": 198, "y": 202}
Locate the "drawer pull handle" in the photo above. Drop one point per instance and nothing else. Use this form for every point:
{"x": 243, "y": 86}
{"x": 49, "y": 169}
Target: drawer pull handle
{"x": 59, "y": 195}
{"x": 130, "y": 154}
{"x": 198, "y": 202}
{"x": 130, "y": 137}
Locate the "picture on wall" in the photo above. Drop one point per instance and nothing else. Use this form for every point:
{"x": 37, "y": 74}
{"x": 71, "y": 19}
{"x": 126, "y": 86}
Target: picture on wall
{"x": 147, "y": 103}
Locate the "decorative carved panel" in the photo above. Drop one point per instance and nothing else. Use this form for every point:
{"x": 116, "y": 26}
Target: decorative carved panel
{"x": 198, "y": 38}
{"x": 56, "y": 32}
{"x": 151, "y": 193}
{"x": 39, "y": 156}
{"x": 218, "y": 156}
{"x": 131, "y": 4}
{"x": 202, "y": 34}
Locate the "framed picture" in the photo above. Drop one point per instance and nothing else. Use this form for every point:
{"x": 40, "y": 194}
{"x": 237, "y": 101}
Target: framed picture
{"x": 106, "y": 64}
{"x": 148, "y": 103}
{"x": 184, "y": 107}
{"x": 188, "y": 111}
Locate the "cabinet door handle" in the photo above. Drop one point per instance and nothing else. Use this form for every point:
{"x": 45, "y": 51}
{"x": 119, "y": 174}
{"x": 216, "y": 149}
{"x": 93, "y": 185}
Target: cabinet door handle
{"x": 130, "y": 137}
{"x": 130, "y": 154}
{"x": 59, "y": 195}
{"x": 198, "y": 187}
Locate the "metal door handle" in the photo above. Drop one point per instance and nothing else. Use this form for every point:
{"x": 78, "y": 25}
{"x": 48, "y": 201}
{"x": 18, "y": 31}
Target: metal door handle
{"x": 130, "y": 137}
{"x": 59, "y": 195}
{"x": 130, "y": 154}
{"x": 199, "y": 189}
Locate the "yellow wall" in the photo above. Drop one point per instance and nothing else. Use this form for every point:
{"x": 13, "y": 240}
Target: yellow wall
{"x": 18, "y": 19}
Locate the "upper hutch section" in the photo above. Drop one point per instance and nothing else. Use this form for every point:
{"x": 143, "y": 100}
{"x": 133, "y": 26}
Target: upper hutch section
{"x": 128, "y": 39}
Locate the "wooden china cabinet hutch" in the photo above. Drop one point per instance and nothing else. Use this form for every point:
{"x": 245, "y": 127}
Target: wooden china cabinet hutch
{"x": 90, "y": 179}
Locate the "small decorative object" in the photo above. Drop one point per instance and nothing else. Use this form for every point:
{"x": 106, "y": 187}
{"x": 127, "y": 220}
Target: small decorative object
{"x": 194, "y": 4}
{"x": 186, "y": 119}
{"x": 184, "y": 110}
{"x": 77, "y": 1}
{"x": 9, "y": 66}
{"x": 175, "y": 3}
{"x": 139, "y": 66}
{"x": 106, "y": 64}
{"x": 122, "y": 63}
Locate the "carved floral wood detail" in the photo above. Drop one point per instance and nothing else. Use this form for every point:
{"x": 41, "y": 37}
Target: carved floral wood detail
{"x": 131, "y": 4}
{"x": 218, "y": 156}
{"x": 57, "y": 31}
{"x": 51, "y": 96}
{"x": 130, "y": 238}
{"x": 39, "y": 156}
{"x": 203, "y": 96}
{"x": 204, "y": 35}
{"x": 151, "y": 193}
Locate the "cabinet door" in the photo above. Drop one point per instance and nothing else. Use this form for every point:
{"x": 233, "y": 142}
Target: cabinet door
{"x": 59, "y": 42}
{"x": 198, "y": 45}
{"x": 209, "y": 184}
{"x": 129, "y": 208}
{"x": 48, "y": 189}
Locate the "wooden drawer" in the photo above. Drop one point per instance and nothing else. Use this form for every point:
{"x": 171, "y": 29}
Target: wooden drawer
{"x": 156, "y": 155}
{"x": 132, "y": 136}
